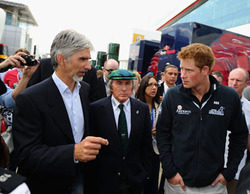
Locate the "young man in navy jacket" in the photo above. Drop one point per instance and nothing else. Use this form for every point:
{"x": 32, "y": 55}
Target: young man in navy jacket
{"x": 192, "y": 128}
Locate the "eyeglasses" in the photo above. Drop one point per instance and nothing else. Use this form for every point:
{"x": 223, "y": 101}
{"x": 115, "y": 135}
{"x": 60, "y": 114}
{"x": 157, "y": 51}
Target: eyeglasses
{"x": 109, "y": 70}
{"x": 152, "y": 85}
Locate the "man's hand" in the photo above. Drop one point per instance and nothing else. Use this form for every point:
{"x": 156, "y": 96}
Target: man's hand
{"x": 177, "y": 179}
{"x": 14, "y": 60}
{"x": 220, "y": 178}
{"x": 29, "y": 70}
{"x": 22, "y": 84}
{"x": 89, "y": 148}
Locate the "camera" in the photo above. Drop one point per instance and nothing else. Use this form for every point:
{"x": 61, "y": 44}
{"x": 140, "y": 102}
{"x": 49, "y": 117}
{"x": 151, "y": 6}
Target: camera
{"x": 30, "y": 60}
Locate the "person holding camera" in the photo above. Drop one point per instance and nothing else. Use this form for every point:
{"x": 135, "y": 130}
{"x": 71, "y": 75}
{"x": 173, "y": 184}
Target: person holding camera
{"x": 10, "y": 182}
{"x": 28, "y": 65}
{"x": 8, "y": 95}
{"x": 13, "y": 76}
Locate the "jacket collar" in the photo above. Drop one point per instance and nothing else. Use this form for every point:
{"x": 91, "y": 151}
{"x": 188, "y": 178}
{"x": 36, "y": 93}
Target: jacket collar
{"x": 58, "y": 109}
{"x": 214, "y": 85}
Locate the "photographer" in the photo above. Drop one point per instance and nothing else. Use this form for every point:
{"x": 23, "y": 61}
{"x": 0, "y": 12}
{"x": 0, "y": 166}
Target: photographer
{"x": 8, "y": 95}
{"x": 18, "y": 60}
{"x": 13, "y": 76}
{"x": 5, "y": 92}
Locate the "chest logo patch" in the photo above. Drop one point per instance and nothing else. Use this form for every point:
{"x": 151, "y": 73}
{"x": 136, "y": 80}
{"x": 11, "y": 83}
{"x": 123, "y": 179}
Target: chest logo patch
{"x": 219, "y": 112}
{"x": 4, "y": 177}
{"x": 180, "y": 111}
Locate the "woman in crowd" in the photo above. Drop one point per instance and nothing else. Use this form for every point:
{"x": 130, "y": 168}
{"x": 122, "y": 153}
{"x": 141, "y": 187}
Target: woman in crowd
{"x": 148, "y": 93}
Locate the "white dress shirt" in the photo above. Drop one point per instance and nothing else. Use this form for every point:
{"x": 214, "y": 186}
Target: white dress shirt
{"x": 73, "y": 106}
{"x": 127, "y": 110}
{"x": 165, "y": 89}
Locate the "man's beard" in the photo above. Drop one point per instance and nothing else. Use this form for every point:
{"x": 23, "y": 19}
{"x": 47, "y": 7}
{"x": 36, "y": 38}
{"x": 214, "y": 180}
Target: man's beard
{"x": 77, "y": 79}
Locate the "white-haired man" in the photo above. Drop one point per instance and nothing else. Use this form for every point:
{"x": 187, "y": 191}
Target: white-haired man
{"x": 51, "y": 126}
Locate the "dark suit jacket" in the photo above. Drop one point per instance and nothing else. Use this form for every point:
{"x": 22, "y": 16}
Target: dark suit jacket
{"x": 91, "y": 78}
{"x": 161, "y": 89}
{"x": 43, "y": 138}
{"x": 45, "y": 70}
{"x": 111, "y": 165}
{"x": 101, "y": 90}
{"x": 244, "y": 181}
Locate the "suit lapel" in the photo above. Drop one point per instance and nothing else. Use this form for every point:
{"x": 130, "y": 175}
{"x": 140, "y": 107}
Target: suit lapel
{"x": 58, "y": 110}
{"x": 85, "y": 102}
{"x": 134, "y": 112}
{"x": 111, "y": 124}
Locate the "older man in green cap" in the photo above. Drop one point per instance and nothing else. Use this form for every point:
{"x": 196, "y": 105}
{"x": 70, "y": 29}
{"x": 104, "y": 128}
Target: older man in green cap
{"x": 122, "y": 166}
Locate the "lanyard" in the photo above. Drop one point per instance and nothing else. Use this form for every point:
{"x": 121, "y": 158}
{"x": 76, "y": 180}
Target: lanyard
{"x": 152, "y": 117}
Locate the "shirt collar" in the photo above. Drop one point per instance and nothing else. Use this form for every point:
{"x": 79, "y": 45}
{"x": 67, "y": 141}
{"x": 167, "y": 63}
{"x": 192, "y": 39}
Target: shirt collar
{"x": 115, "y": 103}
{"x": 213, "y": 86}
{"x": 243, "y": 99}
{"x": 165, "y": 85}
{"x": 62, "y": 87}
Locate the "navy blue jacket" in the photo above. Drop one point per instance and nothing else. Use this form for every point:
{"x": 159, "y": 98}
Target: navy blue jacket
{"x": 191, "y": 135}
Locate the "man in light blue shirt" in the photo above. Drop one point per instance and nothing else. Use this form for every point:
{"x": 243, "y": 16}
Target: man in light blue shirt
{"x": 51, "y": 125}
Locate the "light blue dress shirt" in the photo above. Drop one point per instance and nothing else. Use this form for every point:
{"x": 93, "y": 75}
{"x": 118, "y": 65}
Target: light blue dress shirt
{"x": 73, "y": 106}
{"x": 6, "y": 99}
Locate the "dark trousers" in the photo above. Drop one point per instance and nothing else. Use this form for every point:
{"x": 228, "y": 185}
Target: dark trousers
{"x": 77, "y": 185}
{"x": 125, "y": 188}
{"x": 151, "y": 185}
{"x": 231, "y": 186}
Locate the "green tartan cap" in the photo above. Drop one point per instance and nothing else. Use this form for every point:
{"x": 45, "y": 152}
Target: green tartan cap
{"x": 121, "y": 74}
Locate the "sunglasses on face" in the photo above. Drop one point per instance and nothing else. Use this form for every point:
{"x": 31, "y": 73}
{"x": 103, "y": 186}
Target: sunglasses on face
{"x": 109, "y": 70}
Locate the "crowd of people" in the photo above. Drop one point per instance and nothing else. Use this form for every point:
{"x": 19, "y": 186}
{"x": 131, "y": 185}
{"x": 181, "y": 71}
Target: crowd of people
{"x": 78, "y": 130}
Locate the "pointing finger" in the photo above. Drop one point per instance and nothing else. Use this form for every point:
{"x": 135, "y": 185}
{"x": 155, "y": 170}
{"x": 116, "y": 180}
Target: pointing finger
{"x": 97, "y": 140}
